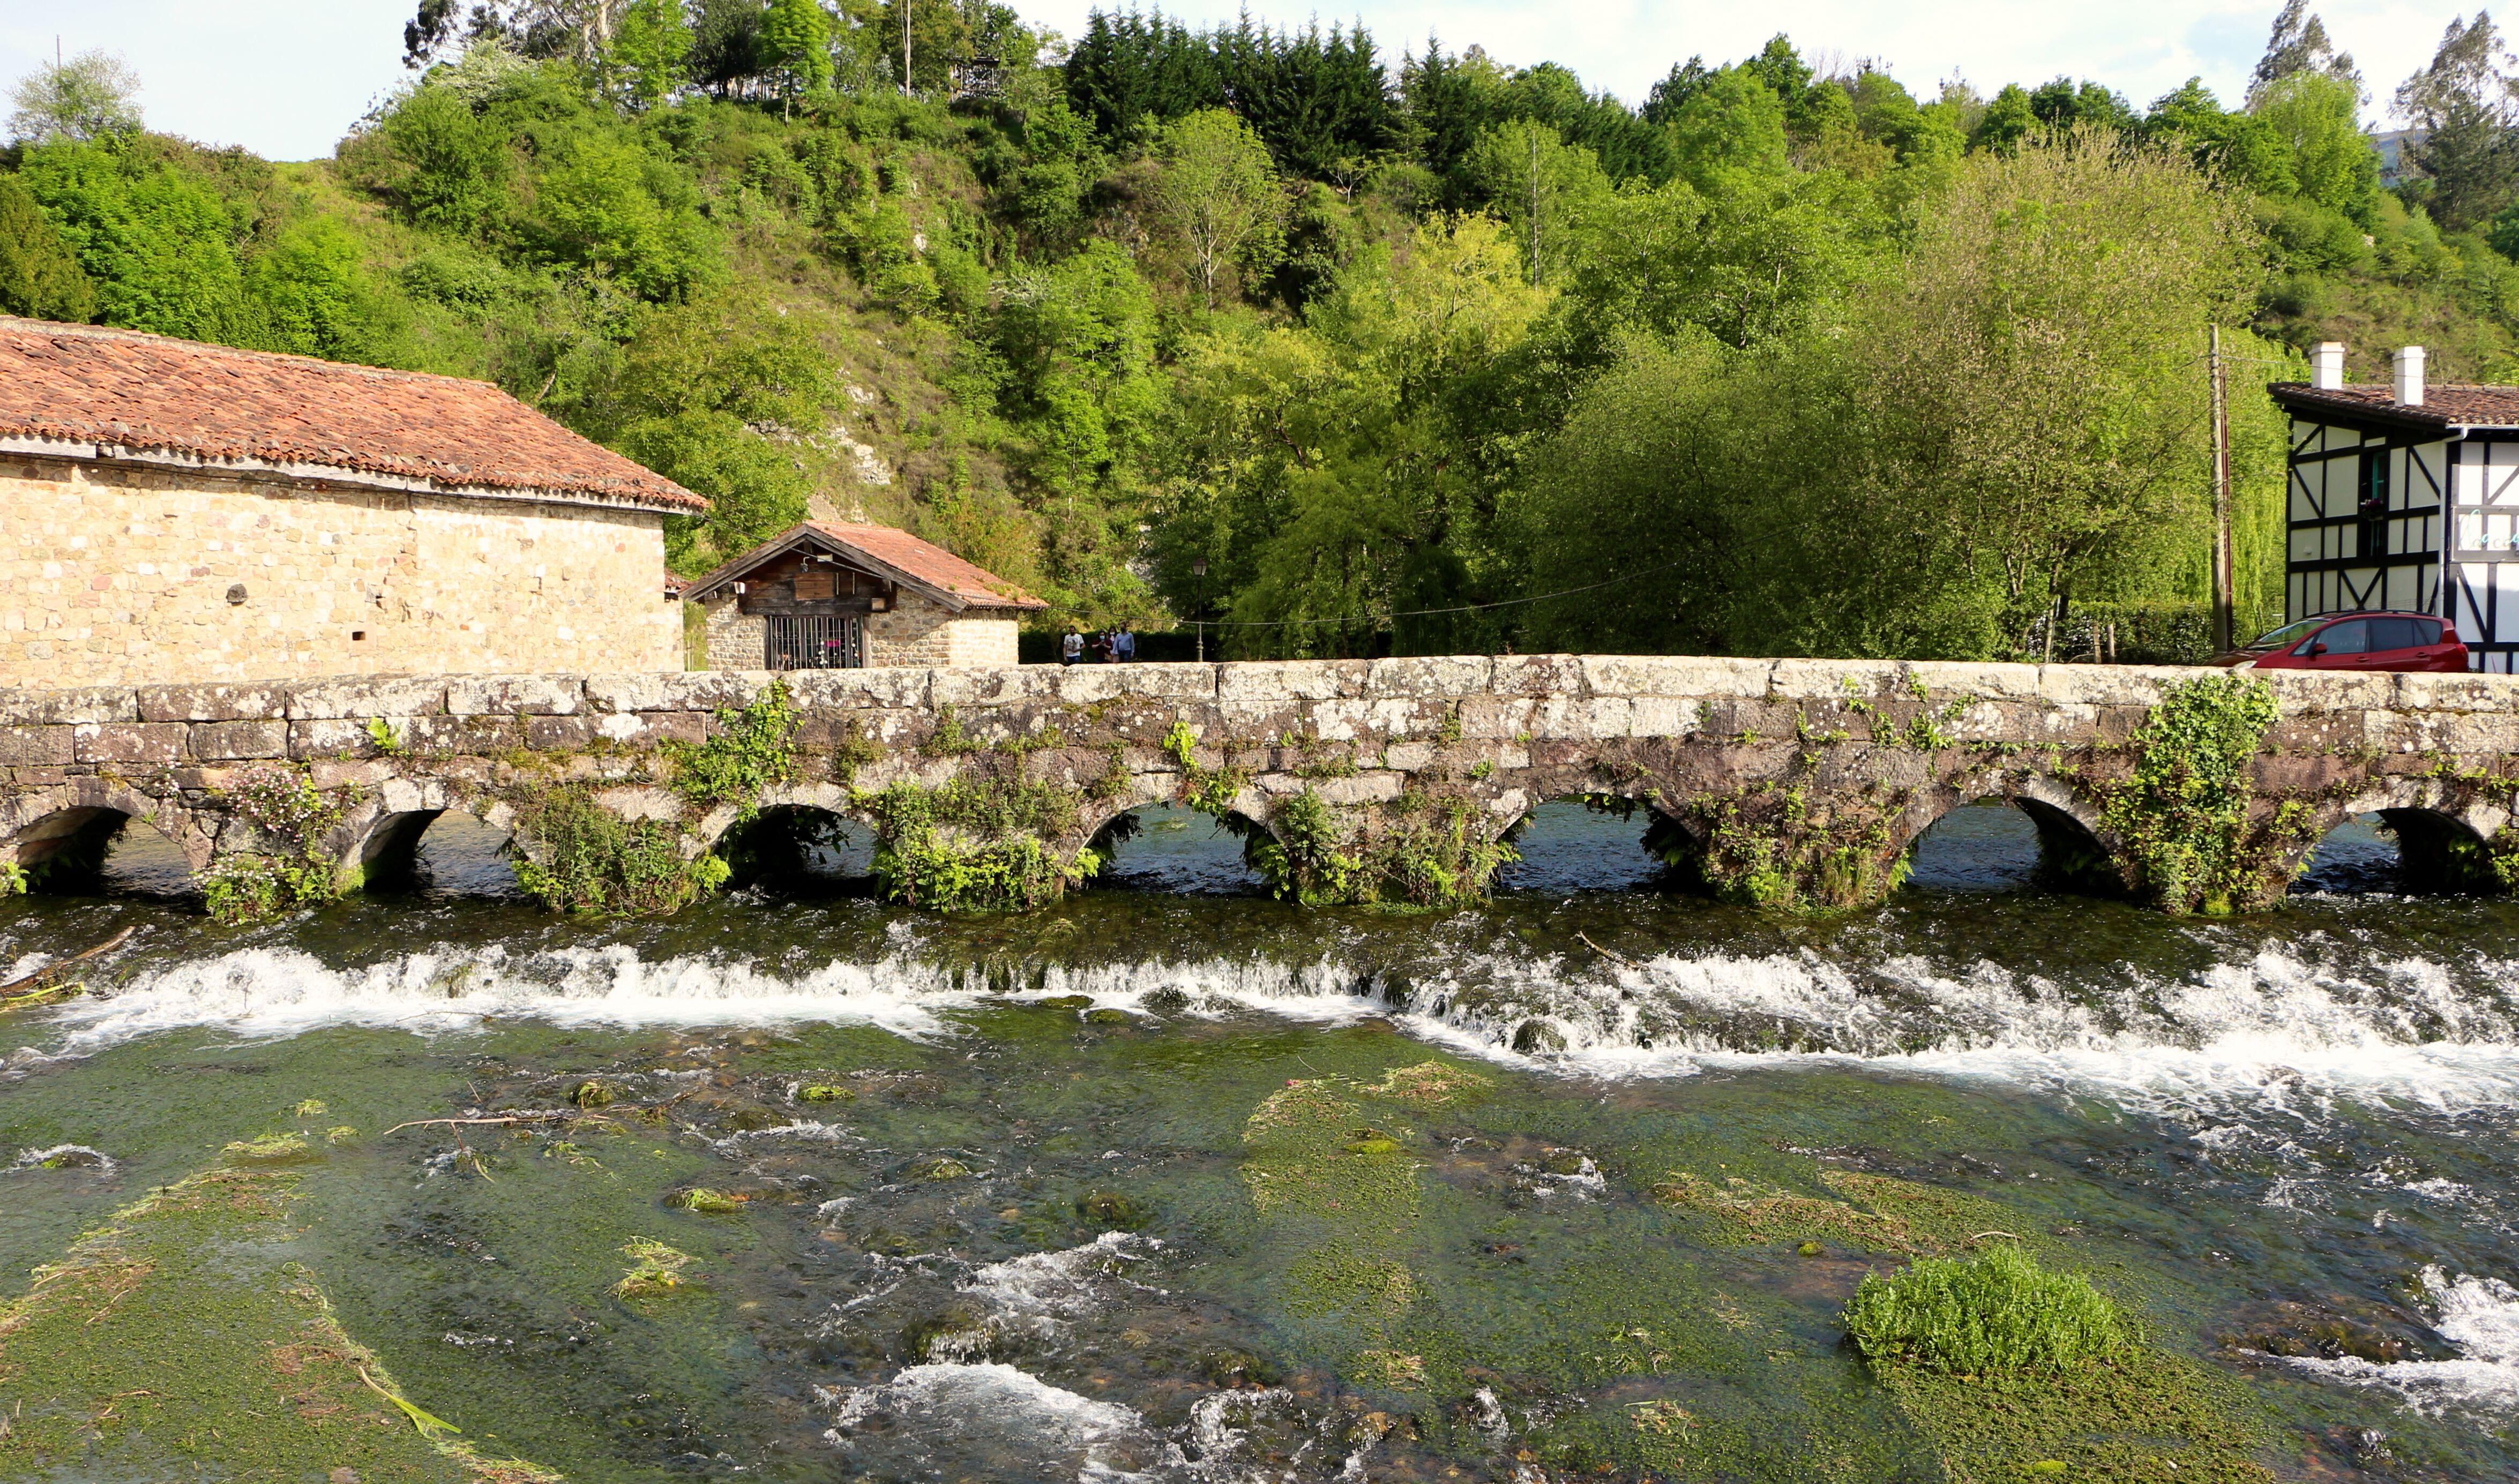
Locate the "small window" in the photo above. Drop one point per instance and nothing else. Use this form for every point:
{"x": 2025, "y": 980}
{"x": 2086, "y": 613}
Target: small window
{"x": 2374, "y": 508}
{"x": 2351, "y": 637}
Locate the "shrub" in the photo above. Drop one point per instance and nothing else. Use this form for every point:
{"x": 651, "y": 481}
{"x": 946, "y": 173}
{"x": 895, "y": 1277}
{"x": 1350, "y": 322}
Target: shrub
{"x": 2184, "y": 814}
{"x": 976, "y": 845}
{"x": 596, "y": 861}
{"x": 1992, "y": 1315}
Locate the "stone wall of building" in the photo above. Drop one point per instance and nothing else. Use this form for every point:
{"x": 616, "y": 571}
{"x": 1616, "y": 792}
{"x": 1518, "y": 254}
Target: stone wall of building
{"x": 736, "y": 639}
{"x": 922, "y": 632}
{"x": 122, "y": 573}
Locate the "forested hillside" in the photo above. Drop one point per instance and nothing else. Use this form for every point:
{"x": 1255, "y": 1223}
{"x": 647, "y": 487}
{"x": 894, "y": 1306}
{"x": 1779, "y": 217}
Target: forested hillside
{"x": 1281, "y": 327}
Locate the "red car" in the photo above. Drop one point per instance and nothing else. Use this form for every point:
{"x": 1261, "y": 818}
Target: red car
{"x": 2354, "y": 641}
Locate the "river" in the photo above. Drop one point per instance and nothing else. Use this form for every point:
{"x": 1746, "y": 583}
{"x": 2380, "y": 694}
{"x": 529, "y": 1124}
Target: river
{"x": 1044, "y": 1198}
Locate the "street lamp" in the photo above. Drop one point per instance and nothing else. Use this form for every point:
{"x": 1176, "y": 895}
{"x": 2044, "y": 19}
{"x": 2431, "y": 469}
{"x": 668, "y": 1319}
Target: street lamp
{"x": 1198, "y": 604}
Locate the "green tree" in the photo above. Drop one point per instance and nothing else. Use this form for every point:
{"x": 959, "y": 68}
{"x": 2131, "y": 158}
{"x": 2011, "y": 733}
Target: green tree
{"x": 605, "y": 205}
{"x": 158, "y": 241}
{"x": 1323, "y": 469}
{"x": 1216, "y": 196}
{"x": 651, "y": 51}
{"x": 447, "y": 166}
{"x": 2299, "y": 47}
{"x": 2317, "y": 116}
{"x": 2028, "y": 392}
{"x": 86, "y": 98}
{"x": 2015, "y": 415}
{"x": 1735, "y": 122}
{"x": 2466, "y": 103}
{"x": 38, "y": 275}
{"x": 2006, "y": 121}
{"x": 796, "y": 45}
{"x": 1543, "y": 188}
{"x": 313, "y": 295}
{"x": 1756, "y": 257}
{"x": 728, "y": 398}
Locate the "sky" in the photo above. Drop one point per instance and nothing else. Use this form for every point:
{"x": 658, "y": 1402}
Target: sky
{"x": 286, "y": 78}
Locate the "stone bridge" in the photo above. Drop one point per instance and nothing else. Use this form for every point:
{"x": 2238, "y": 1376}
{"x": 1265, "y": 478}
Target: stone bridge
{"x": 1779, "y": 782}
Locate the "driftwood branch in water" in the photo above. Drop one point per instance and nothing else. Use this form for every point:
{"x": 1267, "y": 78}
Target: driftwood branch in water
{"x": 1615, "y": 958}
{"x": 36, "y": 988}
{"x": 530, "y": 1115}
{"x": 58, "y": 965}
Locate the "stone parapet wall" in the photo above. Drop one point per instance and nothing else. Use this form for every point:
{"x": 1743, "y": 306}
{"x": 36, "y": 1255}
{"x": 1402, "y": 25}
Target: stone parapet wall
{"x": 1886, "y": 744}
{"x": 1525, "y": 699}
{"x": 117, "y": 572}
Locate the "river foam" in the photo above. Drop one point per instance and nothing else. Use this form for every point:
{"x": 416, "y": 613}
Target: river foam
{"x": 2288, "y": 1026}
{"x": 2480, "y": 1316}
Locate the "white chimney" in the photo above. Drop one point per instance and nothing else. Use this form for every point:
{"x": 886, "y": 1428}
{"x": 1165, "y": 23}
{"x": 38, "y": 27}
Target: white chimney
{"x": 2326, "y": 367}
{"x": 2409, "y": 377}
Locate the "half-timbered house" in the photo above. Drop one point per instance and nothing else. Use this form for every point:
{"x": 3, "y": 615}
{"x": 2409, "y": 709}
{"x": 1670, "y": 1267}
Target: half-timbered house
{"x": 826, "y": 596}
{"x": 2405, "y": 496}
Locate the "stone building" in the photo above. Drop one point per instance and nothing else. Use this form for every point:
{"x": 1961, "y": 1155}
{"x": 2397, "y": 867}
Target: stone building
{"x": 172, "y": 511}
{"x": 831, "y": 597}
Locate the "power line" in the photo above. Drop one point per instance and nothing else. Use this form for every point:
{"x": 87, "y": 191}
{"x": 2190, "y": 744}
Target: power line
{"x": 1368, "y": 618}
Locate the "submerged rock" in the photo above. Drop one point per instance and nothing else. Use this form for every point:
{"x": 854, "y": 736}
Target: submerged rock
{"x": 1533, "y": 1037}
{"x": 1112, "y": 1209}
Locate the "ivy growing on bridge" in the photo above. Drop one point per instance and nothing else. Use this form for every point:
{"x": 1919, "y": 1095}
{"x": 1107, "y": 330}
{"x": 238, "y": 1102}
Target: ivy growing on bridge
{"x": 976, "y": 844}
{"x": 752, "y": 749}
{"x": 592, "y": 860}
{"x": 2187, "y": 819}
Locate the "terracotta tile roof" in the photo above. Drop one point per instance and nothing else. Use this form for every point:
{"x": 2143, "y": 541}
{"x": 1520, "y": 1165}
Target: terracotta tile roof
{"x": 929, "y": 564}
{"x": 923, "y": 565}
{"x": 2444, "y": 406}
{"x": 152, "y": 394}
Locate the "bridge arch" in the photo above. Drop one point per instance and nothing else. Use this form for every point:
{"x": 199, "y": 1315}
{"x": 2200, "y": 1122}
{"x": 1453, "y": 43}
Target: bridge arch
{"x": 1598, "y": 839}
{"x": 60, "y": 836}
{"x": 790, "y": 848}
{"x": 2075, "y": 850}
{"x": 1162, "y": 844}
{"x": 2442, "y": 833}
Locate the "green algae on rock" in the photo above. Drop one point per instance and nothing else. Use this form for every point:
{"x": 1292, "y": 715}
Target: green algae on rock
{"x": 180, "y": 1335}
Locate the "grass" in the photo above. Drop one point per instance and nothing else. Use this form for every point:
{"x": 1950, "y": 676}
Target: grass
{"x": 1999, "y": 1312}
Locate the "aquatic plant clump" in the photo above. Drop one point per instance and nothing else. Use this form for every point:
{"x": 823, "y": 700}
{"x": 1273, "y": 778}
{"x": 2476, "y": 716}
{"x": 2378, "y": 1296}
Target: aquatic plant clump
{"x": 655, "y": 1269}
{"x": 1994, "y": 1315}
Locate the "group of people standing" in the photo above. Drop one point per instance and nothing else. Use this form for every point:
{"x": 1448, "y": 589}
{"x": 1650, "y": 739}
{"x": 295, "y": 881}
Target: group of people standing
{"x": 1111, "y": 646}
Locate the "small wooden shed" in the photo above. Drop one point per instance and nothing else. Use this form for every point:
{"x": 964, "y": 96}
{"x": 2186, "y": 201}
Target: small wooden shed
{"x": 826, "y": 596}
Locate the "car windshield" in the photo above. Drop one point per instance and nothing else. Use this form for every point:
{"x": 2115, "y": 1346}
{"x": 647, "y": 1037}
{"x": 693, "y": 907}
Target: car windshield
{"x": 2288, "y": 633}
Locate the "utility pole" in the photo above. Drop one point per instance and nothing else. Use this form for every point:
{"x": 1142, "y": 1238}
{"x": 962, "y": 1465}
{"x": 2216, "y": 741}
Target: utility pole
{"x": 1534, "y": 207}
{"x": 906, "y": 7}
{"x": 2223, "y": 638}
